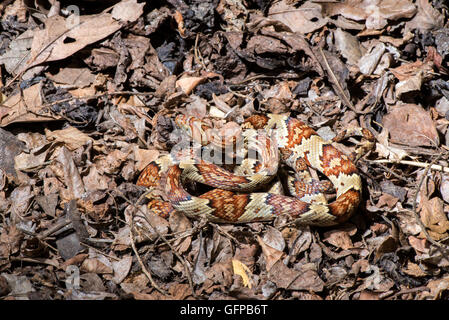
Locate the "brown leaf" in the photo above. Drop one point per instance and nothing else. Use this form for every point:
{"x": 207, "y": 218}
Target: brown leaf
{"x": 427, "y": 18}
{"x": 271, "y": 254}
{"x": 420, "y": 245}
{"x": 384, "y": 149}
{"x": 412, "y": 269}
{"x": 408, "y": 70}
{"x": 26, "y": 108}
{"x": 411, "y": 125}
{"x": 72, "y": 178}
{"x": 144, "y": 156}
{"x": 349, "y": 46}
{"x": 438, "y": 287}
{"x": 95, "y": 181}
{"x": 340, "y": 237}
{"x": 434, "y": 218}
{"x": 273, "y": 237}
{"x": 10, "y": 240}
{"x": 187, "y": 84}
{"x": 375, "y": 14}
{"x": 179, "y": 223}
{"x": 121, "y": 268}
{"x": 52, "y": 43}
{"x": 387, "y": 200}
{"x": 388, "y": 244}
{"x": 95, "y": 266}
{"x": 307, "y": 18}
{"x": 77, "y": 77}
{"x": 180, "y": 291}
{"x": 368, "y": 295}
{"x": 291, "y": 279}
{"x": 71, "y": 137}
{"x": 20, "y": 198}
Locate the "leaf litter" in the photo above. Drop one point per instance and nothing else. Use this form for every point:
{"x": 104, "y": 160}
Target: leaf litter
{"x": 86, "y": 101}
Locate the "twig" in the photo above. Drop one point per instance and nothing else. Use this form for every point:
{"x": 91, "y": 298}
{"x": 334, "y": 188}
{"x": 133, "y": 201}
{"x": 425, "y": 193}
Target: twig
{"x": 198, "y": 56}
{"x": 414, "y": 163}
{"x": 187, "y": 271}
{"x": 99, "y": 251}
{"x": 221, "y": 230}
{"x": 341, "y": 92}
{"x": 385, "y": 168}
{"x": 144, "y": 269}
{"x": 411, "y": 290}
{"x": 54, "y": 228}
{"x": 183, "y": 261}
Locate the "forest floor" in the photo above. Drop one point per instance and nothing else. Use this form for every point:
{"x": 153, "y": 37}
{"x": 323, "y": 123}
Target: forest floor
{"x": 88, "y": 94}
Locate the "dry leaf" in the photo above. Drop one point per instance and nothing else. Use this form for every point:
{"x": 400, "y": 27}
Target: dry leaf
{"x": 304, "y": 279}
{"x": 438, "y": 286}
{"x": 143, "y": 157}
{"x": 95, "y": 266}
{"x": 413, "y": 269}
{"x": 427, "y": 18}
{"x": 411, "y": 125}
{"x": 71, "y": 137}
{"x": 434, "y": 218}
{"x": 307, "y": 18}
{"x": 242, "y": 270}
{"x": 121, "y": 268}
{"x": 384, "y": 149}
{"x": 271, "y": 254}
{"x": 72, "y": 178}
{"x": 25, "y": 109}
{"x": 60, "y": 39}
{"x": 187, "y": 84}
{"x": 340, "y": 237}
{"x": 77, "y": 77}
{"x": 349, "y": 46}
{"x": 15, "y": 56}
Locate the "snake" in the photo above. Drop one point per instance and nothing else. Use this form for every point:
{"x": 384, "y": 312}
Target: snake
{"x": 281, "y": 139}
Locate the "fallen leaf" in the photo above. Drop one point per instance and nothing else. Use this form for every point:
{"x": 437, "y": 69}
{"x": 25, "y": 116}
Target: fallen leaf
{"x": 242, "y": 270}
{"x": 434, "y": 218}
{"x": 271, "y": 254}
{"x": 427, "y": 18}
{"x": 71, "y": 137}
{"x": 20, "y": 286}
{"x": 60, "y": 39}
{"x": 72, "y": 178}
{"x": 10, "y": 240}
{"x": 75, "y": 76}
{"x": 384, "y": 149}
{"x": 411, "y": 125}
{"x": 121, "y": 268}
{"x": 25, "y": 108}
{"x": 438, "y": 287}
{"x": 413, "y": 269}
{"x": 349, "y": 46}
{"x": 340, "y": 237}
{"x": 187, "y": 84}
{"x": 291, "y": 279}
{"x": 304, "y": 19}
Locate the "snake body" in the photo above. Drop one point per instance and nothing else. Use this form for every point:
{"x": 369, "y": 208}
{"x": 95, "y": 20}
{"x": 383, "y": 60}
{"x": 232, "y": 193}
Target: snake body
{"x": 297, "y": 145}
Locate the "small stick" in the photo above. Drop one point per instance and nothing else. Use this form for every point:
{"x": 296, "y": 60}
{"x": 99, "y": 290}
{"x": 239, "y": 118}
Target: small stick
{"x": 144, "y": 269}
{"x": 433, "y": 166}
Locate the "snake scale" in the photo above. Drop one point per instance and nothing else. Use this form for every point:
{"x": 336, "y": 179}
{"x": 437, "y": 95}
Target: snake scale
{"x": 291, "y": 142}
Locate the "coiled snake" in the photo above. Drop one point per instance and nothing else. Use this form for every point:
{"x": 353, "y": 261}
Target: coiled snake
{"x": 296, "y": 144}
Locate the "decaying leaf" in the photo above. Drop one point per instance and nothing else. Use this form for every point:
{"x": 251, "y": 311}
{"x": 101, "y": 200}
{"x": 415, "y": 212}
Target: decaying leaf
{"x": 60, "y": 38}
{"x": 243, "y": 271}
{"x": 411, "y": 125}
